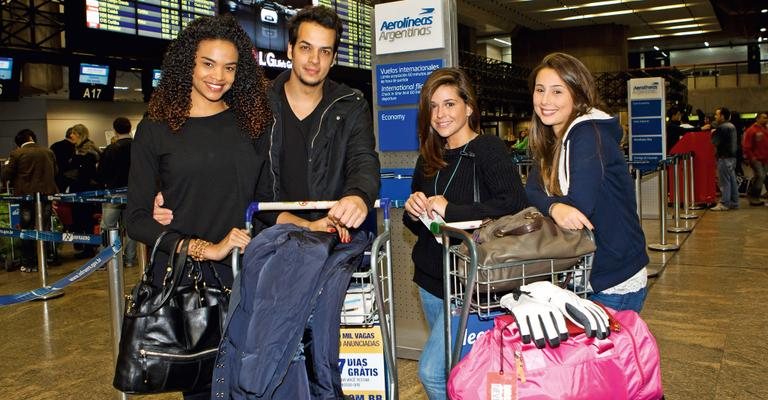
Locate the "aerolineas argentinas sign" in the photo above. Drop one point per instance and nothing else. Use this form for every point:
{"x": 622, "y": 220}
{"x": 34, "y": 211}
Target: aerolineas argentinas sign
{"x": 408, "y": 25}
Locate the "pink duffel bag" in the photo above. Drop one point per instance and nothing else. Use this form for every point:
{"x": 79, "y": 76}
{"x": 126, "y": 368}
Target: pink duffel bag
{"x": 623, "y": 366}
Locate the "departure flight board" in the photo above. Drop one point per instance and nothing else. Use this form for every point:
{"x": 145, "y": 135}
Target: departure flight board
{"x": 355, "y": 47}
{"x": 162, "y": 19}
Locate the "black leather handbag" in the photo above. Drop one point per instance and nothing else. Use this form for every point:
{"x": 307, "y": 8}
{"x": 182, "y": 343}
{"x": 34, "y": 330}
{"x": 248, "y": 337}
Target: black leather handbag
{"x": 170, "y": 335}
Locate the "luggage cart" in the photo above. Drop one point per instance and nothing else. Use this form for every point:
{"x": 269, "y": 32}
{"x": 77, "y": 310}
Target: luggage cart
{"x": 467, "y": 293}
{"x": 369, "y": 301}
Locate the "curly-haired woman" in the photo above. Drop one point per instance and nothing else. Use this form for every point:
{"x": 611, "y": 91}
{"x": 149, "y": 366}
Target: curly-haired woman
{"x": 197, "y": 146}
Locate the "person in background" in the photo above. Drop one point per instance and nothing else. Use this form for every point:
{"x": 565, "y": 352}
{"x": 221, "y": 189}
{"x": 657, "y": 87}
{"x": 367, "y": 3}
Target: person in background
{"x": 63, "y": 150}
{"x": 82, "y": 175}
{"x": 31, "y": 169}
{"x": 755, "y": 145}
{"x": 675, "y": 130}
{"x": 521, "y": 146}
{"x": 197, "y": 146}
{"x": 580, "y": 179}
{"x": 624, "y": 142}
{"x": 459, "y": 176}
{"x": 725, "y": 140}
{"x": 112, "y": 173}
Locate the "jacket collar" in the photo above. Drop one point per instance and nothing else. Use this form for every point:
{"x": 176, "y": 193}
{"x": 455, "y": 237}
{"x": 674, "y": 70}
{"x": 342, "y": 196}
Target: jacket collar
{"x": 332, "y": 90}
{"x": 592, "y": 115}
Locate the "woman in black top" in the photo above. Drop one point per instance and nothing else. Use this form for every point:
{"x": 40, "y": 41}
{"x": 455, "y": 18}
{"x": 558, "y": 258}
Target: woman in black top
{"x": 197, "y": 146}
{"x": 452, "y": 158}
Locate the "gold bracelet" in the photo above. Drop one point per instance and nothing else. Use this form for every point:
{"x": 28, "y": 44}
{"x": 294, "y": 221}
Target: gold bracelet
{"x": 192, "y": 250}
{"x": 197, "y": 249}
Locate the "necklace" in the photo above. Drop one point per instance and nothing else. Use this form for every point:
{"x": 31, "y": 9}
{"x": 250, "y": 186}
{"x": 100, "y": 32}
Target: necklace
{"x": 456, "y": 168}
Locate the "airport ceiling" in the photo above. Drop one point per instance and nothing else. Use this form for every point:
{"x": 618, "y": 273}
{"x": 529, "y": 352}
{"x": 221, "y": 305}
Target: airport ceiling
{"x": 669, "y": 24}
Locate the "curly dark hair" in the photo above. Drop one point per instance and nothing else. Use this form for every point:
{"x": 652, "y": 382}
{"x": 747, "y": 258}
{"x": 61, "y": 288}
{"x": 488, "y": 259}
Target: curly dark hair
{"x": 171, "y": 101}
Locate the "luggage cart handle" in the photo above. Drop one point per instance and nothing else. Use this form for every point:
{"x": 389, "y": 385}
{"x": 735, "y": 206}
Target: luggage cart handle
{"x": 255, "y": 207}
{"x": 448, "y": 231}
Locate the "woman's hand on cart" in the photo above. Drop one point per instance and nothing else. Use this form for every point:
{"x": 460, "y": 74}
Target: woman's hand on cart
{"x": 569, "y": 217}
{"x": 160, "y": 214}
{"x": 236, "y": 238}
{"x": 326, "y": 224}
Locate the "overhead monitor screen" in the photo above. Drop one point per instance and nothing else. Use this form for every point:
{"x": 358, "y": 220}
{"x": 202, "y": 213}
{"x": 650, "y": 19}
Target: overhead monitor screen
{"x": 355, "y": 47}
{"x": 6, "y": 68}
{"x": 266, "y": 23}
{"x": 162, "y": 19}
{"x": 156, "y": 74}
{"x": 94, "y": 74}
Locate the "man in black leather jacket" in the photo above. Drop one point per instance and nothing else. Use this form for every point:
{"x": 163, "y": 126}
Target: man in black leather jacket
{"x": 321, "y": 145}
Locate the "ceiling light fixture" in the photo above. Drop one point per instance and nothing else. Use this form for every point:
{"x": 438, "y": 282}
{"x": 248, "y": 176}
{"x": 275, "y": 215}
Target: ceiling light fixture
{"x": 764, "y": 10}
{"x": 762, "y": 29}
{"x": 622, "y": 12}
{"x": 706, "y": 44}
{"x": 688, "y": 33}
{"x": 586, "y": 5}
{"x": 686, "y": 26}
{"x": 644, "y": 37}
{"x": 603, "y": 14}
{"x": 674, "y": 21}
{"x": 504, "y": 42}
{"x": 656, "y": 48}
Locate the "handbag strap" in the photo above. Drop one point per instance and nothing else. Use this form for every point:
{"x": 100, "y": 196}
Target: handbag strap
{"x": 176, "y": 274}
{"x": 475, "y": 184}
{"x": 536, "y": 222}
{"x": 148, "y": 268}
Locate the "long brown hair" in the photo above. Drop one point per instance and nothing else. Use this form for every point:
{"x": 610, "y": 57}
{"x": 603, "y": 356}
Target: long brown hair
{"x": 171, "y": 102}
{"x": 432, "y": 145}
{"x": 543, "y": 141}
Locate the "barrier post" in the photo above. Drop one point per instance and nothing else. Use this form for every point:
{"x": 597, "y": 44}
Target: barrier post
{"x": 687, "y": 189}
{"x": 694, "y": 205}
{"x": 676, "y": 187}
{"x": 663, "y": 245}
{"x": 42, "y": 264}
{"x": 116, "y": 299}
{"x": 141, "y": 255}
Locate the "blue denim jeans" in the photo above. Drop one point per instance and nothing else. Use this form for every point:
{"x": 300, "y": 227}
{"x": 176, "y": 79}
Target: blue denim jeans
{"x": 726, "y": 179}
{"x": 628, "y": 301}
{"x": 432, "y": 360}
{"x": 756, "y": 185}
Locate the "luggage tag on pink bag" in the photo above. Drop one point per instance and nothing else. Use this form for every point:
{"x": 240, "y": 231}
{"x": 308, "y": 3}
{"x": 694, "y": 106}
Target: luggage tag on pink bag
{"x": 501, "y": 386}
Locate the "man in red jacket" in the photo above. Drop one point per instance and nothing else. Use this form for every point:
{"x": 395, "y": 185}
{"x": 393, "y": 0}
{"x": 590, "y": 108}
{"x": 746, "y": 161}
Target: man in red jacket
{"x": 755, "y": 146}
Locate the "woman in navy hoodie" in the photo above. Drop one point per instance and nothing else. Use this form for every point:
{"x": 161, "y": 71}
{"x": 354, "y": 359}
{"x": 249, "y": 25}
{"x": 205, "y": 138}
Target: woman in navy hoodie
{"x": 580, "y": 177}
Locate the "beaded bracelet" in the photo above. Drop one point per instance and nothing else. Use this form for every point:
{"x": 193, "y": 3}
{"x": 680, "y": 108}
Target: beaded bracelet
{"x": 197, "y": 249}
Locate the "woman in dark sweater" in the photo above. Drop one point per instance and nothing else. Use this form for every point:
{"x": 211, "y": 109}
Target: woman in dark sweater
{"x": 452, "y": 157}
{"x": 581, "y": 180}
{"x": 196, "y": 146}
